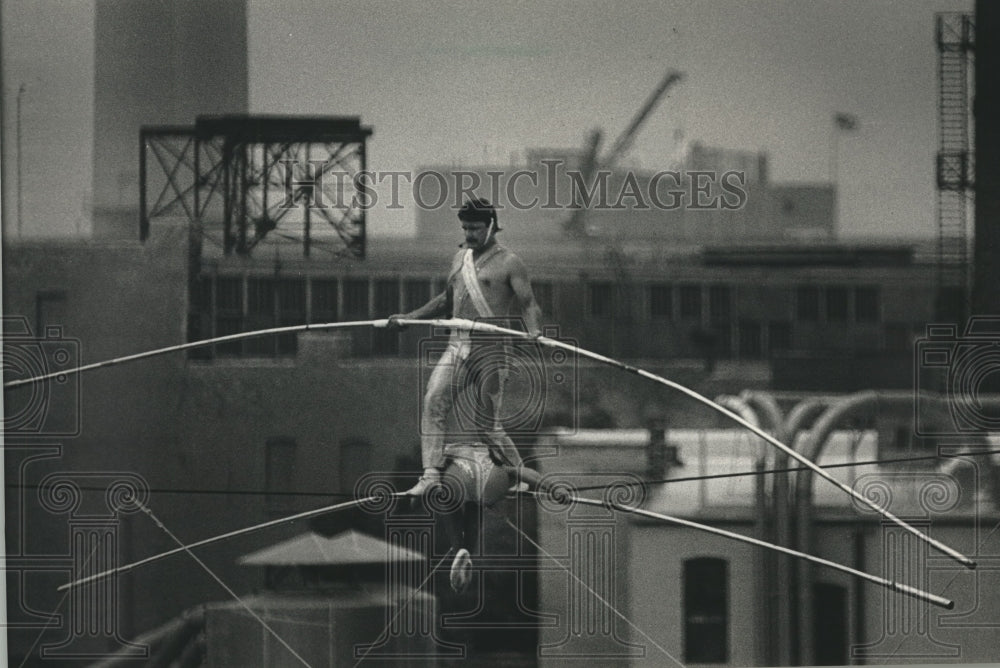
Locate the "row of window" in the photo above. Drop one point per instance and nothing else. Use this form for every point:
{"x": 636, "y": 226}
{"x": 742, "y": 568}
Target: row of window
{"x": 812, "y": 303}
{"x": 835, "y": 303}
{"x": 223, "y": 305}
{"x": 230, "y": 304}
{"x": 330, "y": 299}
{"x": 661, "y": 301}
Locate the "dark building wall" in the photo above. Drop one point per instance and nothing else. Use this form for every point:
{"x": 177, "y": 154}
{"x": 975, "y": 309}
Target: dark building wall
{"x": 198, "y": 431}
{"x": 986, "y": 285}
{"x": 111, "y": 298}
{"x": 157, "y": 62}
{"x": 184, "y": 425}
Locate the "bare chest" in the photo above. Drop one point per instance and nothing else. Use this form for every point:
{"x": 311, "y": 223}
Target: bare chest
{"x": 494, "y": 280}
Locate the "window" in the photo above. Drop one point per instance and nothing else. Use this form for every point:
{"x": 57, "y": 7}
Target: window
{"x": 723, "y": 340}
{"x": 386, "y": 297}
{"x": 601, "y": 300}
{"x": 223, "y": 305}
{"x": 751, "y": 344}
{"x": 324, "y": 300}
{"x": 273, "y": 303}
{"x": 279, "y": 473}
{"x": 291, "y": 298}
{"x": 355, "y": 299}
{"x": 200, "y": 318}
{"x": 260, "y": 303}
{"x": 384, "y": 341}
{"x": 867, "y": 307}
{"x": 661, "y": 303}
{"x": 416, "y": 294}
{"x": 807, "y": 303}
{"x": 779, "y": 336}
{"x": 719, "y": 302}
{"x": 691, "y": 301}
{"x": 355, "y": 307}
{"x": 836, "y": 304}
{"x": 706, "y": 610}
{"x": 228, "y": 313}
{"x": 830, "y": 624}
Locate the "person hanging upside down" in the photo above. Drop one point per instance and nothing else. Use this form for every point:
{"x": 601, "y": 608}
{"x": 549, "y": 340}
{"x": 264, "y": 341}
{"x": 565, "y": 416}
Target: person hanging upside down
{"x": 475, "y": 480}
{"x": 486, "y": 281}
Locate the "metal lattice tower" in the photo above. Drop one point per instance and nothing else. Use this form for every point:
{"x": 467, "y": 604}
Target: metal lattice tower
{"x": 955, "y": 161}
{"x": 266, "y": 184}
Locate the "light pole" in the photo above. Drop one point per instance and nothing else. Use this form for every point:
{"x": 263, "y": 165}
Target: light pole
{"x": 842, "y": 122}
{"x": 834, "y": 137}
{"x": 20, "y": 92}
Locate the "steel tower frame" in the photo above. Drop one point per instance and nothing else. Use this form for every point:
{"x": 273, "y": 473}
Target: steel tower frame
{"x": 238, "y": 179}
{"x": 955, "y": 168}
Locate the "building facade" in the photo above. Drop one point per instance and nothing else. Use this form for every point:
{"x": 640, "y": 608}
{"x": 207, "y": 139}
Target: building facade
{"x": 710, "y": 195}
{"x": 230, "y": 435}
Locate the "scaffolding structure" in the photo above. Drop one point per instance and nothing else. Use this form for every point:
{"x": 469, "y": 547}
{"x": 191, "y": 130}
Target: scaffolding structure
{"x": 955, "y": 161}
{"x": 244, "y": 183}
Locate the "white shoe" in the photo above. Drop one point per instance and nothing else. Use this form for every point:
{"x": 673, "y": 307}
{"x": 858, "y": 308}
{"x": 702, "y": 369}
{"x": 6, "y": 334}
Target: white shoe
{"x": 518, "y": 488}
{"x": 461, "y": 571}
{"x": 428, "y": 481}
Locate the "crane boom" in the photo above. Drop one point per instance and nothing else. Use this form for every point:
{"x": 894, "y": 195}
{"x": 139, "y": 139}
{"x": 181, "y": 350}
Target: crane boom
{"x": 625, "y": 139}
{"x": 591, "y": 162}
{"x": 588, "y": 165}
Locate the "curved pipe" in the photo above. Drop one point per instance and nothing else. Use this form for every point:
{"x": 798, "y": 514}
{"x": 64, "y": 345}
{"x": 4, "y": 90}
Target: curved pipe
{"x": 801, "y": 415}
{"x": 767, "y": 406}
{"x": 812, "y": 446}
{"x": 762, "y": 561}
{"x": 745, "y": 411}
{"x": 777, "y": 590}
{"x": 934, "y": 408}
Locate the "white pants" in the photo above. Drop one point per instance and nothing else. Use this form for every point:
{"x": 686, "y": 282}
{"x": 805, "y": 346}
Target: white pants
{"x": 476, "y": 384}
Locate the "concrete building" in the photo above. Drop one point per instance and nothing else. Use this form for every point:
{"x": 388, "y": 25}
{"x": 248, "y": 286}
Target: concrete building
{"x": 217, "y": 439}
{"x": 711, "y": 196}
{"x": 642, "y": 592}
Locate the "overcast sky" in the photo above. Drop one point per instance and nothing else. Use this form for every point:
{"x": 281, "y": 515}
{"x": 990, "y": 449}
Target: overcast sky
{"x": 463, "y": 83}
{"x": 456, "y": 82}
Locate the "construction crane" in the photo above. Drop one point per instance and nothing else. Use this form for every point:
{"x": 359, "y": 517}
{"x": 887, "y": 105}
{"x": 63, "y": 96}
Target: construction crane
{"x": 591, "y": 163}
{"x": 607, "y": 240}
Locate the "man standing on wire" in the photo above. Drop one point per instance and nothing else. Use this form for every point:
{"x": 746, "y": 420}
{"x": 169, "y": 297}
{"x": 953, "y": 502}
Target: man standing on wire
{"x": 486, "y": 281}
